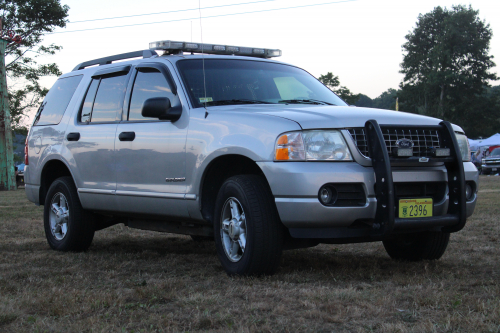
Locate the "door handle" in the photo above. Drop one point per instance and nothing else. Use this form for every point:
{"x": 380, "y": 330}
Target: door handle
{"x": 73, "y": 136}
{"x": 126, "y": 136}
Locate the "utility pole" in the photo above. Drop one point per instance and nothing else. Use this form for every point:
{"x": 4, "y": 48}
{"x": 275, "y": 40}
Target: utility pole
{"x": 7, "y": 173}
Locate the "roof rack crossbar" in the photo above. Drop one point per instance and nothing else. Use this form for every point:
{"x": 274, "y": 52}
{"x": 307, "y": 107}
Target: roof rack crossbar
{"x": 110, "y": 59}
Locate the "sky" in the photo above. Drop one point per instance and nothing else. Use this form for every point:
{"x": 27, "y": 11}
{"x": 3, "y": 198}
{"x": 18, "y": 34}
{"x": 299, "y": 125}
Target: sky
{"x": 358, "y": 40}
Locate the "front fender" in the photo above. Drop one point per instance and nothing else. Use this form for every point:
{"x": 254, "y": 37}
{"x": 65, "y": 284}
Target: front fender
{"x": 222, "y": 133}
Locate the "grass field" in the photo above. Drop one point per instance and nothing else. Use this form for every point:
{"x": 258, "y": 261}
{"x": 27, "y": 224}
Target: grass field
{"x": 139, "y": 281}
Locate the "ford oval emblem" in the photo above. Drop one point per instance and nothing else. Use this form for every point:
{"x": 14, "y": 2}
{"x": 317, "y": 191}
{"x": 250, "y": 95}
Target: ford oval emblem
{"x": 404, "y": 143}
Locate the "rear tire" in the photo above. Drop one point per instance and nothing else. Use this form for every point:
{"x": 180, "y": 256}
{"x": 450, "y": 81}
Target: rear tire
{"x": 429, "y": 245}
{"x": 247, "y": 230}
{"x": 68, "y": 227}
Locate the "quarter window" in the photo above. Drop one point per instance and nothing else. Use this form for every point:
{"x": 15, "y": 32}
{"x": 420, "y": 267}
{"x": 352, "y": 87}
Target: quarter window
{"x": 89, "y": 101}
{"x": 55, "y": 103}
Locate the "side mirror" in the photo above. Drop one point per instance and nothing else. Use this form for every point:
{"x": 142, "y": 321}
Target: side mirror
{"x": 159, "y": 107}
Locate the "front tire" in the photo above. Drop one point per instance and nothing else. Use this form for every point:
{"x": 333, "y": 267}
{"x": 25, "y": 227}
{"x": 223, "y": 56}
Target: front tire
{"x": 247, "y": 230}
{"x": 68, "y": 227}
{"x": 428, "y": 245}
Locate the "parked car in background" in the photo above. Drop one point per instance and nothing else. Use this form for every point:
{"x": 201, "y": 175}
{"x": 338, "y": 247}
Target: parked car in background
{"x": 20, "y": 174}
{"x": 491, "y": 164}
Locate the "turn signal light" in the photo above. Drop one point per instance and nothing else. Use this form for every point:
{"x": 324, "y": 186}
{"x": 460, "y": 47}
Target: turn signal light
{"x": 289, "y": 147}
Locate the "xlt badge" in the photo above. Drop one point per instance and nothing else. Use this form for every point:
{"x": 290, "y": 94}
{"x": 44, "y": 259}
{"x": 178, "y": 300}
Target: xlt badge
{"x": 175, "y": 180}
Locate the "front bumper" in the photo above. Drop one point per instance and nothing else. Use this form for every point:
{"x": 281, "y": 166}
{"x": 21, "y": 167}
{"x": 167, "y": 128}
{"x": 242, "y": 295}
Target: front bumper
{"x": 488, "y": 168}
{"x": 295, "y": 186}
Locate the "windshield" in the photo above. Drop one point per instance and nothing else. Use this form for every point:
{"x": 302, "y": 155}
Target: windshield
{"x": 495, "y": 152}
{"x": 230, "y": 82}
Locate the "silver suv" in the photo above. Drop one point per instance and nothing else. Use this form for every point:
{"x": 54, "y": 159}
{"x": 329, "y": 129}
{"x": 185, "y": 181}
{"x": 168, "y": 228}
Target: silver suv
{"x": 220, "y": 142}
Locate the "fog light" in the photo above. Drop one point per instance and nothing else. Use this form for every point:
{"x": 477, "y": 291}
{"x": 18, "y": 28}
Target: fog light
{"x": 442, "y": 152}
{"x": 403, "y": 152}
{"x": 468, "y": 192}
{"x": 327, "y": 195}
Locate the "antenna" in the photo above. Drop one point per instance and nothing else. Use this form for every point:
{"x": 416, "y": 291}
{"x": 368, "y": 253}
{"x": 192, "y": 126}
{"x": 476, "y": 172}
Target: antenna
{"x": 203, "y": 62}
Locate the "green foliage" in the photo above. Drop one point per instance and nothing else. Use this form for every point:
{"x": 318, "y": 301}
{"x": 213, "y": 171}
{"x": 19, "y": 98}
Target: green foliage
{"x": 332, "y": 82}
{"x": 30, "y": 19}
{"x": 18, "y": 159}
{"x": 446, "y": 66}
{"x": 387, "y": 100}
{"x": 364, "y": 101}
{"x": 482, "y": 117}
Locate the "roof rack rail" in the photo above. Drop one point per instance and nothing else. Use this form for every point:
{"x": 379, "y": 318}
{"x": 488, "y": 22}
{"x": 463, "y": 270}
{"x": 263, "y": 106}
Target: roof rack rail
{"x": 110, "y": 59}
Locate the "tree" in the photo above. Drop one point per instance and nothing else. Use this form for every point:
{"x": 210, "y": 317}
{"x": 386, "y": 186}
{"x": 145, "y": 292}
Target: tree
{"x": 484, "y": 116}
{"x": 364, "y": 101}
{"x": 332, "y": 82}
{"x": 30, "y": 19}
{"x": 446, "y": 64}
{"x": 387, "y": 100}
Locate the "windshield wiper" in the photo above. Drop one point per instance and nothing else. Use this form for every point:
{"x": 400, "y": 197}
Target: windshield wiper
{"x": 304, "y": 101}
{"x": 237, "y": 101}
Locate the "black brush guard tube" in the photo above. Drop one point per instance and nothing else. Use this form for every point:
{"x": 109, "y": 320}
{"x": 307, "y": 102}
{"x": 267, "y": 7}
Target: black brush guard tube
{"x": 385, "y": 219}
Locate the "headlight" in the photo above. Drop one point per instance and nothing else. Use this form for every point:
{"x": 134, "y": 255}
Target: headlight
{"x": 312, "y": 146}
{"x": 463, "y": 144}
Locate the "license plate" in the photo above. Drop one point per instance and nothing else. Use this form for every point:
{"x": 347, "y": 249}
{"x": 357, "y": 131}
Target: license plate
{"x": 493, "y": 169}
{"x": 410, "y": 208}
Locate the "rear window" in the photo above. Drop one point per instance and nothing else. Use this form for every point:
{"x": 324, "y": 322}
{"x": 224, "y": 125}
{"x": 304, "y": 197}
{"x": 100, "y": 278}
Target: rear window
{"x": 55, "y": 103}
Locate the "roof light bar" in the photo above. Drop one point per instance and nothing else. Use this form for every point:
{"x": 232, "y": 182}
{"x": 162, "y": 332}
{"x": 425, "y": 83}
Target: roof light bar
{"x": 175, "y": 47}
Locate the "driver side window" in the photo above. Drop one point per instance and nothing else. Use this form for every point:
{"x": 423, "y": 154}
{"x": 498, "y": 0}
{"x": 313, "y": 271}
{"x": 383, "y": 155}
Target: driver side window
{"x": 148, "y": 83}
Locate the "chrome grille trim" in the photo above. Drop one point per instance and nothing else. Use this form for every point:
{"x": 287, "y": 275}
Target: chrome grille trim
{"x": 422, "y": 139}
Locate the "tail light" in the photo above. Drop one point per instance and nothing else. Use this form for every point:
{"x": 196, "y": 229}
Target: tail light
{"x": 26, "y": 161}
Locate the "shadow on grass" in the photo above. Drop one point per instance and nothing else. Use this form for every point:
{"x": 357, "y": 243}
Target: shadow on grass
{"x": 162, "y": 246}
{"x": 322, "y": 263}
{"x": 301, "y": 266}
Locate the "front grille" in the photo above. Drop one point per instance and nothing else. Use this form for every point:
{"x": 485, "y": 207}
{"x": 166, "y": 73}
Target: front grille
{"x": 423, "y": 139}
{"x": 434, "y": 190}
{"x": 492, "y": 161}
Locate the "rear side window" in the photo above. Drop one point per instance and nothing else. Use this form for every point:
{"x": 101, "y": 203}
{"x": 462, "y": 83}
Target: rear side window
{"x": 104, "y": 99}
{"x": 55, "y": 103}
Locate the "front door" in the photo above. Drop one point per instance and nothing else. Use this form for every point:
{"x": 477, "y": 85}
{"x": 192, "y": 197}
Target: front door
{"x": 150, "y": 153}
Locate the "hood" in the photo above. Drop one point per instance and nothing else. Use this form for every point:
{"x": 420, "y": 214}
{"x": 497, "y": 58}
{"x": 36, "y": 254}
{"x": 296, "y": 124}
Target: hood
{"x": 328, "y": 116}
{"x": 492, "y": 157}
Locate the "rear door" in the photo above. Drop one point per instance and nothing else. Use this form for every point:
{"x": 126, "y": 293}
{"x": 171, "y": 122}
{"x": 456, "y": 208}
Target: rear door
{"x": 150, "y": 153}
{"x": 91, "y": 141}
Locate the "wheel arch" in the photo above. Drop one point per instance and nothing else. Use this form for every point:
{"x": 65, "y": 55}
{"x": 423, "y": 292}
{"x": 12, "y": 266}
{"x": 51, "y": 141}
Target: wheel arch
{"x": 216, "y": 172}
{"x": 52, "y": 170}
